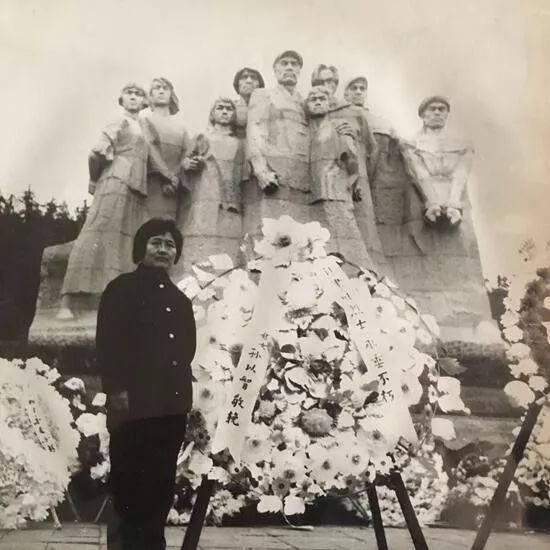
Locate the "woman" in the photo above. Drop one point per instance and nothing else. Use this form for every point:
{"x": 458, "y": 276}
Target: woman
{"x": 118, "y": 174}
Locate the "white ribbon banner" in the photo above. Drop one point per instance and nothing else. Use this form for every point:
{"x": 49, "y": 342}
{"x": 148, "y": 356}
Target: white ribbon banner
{"x": 249, "y": 375}
{"x": 356, "y": 302}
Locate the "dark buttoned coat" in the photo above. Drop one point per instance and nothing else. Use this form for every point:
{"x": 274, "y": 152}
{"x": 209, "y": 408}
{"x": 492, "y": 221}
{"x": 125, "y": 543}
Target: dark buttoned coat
{"x": 145, "y": 342}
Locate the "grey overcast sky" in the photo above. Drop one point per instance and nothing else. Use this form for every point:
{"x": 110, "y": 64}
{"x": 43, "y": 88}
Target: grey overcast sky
{"x": 64, "y": 62}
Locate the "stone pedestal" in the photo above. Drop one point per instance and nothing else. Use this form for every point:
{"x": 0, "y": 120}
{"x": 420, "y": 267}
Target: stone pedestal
{"x": 450, "y": 286}
{"x": 46, "y": 329}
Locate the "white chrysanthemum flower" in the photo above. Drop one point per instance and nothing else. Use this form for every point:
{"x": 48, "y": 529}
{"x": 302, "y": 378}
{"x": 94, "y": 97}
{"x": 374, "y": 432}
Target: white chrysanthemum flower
{"x": 90, "y": 424}
{"x": 99, "y": 400}
{"x": 345, "y": 420}
{"x": 208, "y": 397}
{"x": 240, "y": 292}
{"x": 448, "y": 385}
{"x": 513, "y": 333}
{"x": 189, "y": 286}
{"x": 537, "y": 383}
{"x": 301, "y": 294}
{"x": 289, "y": 465}
{"x": 404, "y": 334}
{"x": 284, "y": 240}
{"x": 257, "y": 445}
{"x": 199, "y": 463}
{"x": 526, "y": 367}
{"x": 356, "y": 460}
{"x": 373, "y": 438}
{"x": 509, "y": 318}
{"x": 519, "y": 393}
{"x": 325, "y": 464}
{"x": 518, "y": 351}
{"x": 75, "y": 384}
{"x": 295, "y": 438}
{"x": 411, "y": 387}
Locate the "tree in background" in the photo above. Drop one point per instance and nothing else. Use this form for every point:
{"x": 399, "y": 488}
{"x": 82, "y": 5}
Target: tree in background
{"x": 26, "y": 228}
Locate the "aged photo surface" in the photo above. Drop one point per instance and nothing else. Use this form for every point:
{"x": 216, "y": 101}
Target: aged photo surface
{"x": 275, "y": 266}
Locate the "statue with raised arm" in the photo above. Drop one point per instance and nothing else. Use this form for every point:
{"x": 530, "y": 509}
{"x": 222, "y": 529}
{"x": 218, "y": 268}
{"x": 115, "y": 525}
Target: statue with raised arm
{"x": 213, "y": 222}
{"x": 171, "y": 144}
{"x": 335, "y": 177}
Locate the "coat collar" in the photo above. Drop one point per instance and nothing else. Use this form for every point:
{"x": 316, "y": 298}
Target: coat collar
{"x": 152, "y": 274}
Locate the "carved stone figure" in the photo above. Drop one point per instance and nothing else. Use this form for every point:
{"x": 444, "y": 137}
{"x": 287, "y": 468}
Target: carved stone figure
{"x": 172, "y": 144}
{"x": 335, "y": 176}
{"x": 118, "y": 181}
{"x": 213, "y": 222}
{"x": 353, "y": 119}
{"x": 245, "y": 82}
{"x": 278, "y": 148}
{"x": 327, "y": 75}
{"x": 436, "y": 258}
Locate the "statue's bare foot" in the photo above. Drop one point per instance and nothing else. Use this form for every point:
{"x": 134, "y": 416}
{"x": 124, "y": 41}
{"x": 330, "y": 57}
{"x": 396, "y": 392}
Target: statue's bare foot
{"x": 64, "y": 314}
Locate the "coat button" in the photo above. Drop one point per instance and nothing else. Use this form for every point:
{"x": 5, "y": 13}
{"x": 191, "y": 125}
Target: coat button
{"x": 171, "y": 335}
{"x": 161, "y": 285}
{"x": 174, "y": 363}
{"x": 168, "y": 308}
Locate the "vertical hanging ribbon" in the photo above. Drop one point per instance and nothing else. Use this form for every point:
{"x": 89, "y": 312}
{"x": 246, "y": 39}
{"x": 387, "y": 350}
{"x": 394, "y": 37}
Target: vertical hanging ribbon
{"x": 356, "y": 303}
{"x": 249, "y": 375}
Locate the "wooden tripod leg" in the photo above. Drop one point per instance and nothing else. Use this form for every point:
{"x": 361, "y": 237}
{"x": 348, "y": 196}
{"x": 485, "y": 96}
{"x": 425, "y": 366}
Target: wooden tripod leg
{"x": 74, "y": 509}
{"x": 507, "y": 475}
{"x": 101, "y": 509}
{"x": 372, "y": 495}
{"x": 55, "y": 518}
{"x": 408, "y": 511}
{"x": 198, "y": 515}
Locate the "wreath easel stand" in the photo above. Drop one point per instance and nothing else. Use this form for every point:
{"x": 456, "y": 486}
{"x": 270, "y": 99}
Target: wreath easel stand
{"x": 393, "y": 481}
{"x": 508, "y": 473}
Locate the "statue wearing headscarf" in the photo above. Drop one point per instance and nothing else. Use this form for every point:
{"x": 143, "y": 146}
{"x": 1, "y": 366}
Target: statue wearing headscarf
{"x": 118, "y": 181}
{"x": 172, "y": 143}
{"x": 212, "y": 223}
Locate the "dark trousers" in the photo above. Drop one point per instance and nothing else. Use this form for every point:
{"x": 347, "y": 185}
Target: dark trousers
{"x": 142, "y": 481}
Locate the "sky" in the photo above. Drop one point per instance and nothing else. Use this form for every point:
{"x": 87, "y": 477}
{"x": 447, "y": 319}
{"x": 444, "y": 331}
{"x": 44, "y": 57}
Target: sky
{"x": 65, "y": 62}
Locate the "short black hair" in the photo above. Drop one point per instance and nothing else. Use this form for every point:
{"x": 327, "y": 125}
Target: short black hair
{"x": 152, "y": 228}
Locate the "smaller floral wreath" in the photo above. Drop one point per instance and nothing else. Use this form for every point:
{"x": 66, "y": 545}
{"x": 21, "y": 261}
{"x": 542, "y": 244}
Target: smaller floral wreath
{"x": 526, "y": 328}
{"x": 37, "y": 442}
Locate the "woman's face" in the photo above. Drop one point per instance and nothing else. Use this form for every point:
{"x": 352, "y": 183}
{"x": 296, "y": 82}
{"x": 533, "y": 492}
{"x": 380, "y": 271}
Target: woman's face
{"x": 133, "y": 100}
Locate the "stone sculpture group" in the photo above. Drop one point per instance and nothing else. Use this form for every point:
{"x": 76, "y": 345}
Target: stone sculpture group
{"x": 396, "y": 206}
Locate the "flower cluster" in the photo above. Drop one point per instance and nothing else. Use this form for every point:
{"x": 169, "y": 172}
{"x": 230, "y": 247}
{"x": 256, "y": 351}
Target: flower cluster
{"x": 91, "y": 421}
{"x": 315, "y": 427}
{"x": 38, "y": 445}
{"x": 474, "y": 481}
{"x": 526, "y": 328}
{"x": 427, "y": 486}
{"x": 533, "y": 473}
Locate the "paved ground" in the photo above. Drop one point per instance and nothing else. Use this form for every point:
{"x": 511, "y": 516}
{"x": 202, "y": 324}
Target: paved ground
{"x": 92, "y": 537}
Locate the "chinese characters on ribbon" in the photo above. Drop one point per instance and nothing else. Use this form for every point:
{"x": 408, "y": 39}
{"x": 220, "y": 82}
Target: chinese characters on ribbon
{"x": 249, "y": 375}
{"x": 356, "y": 303}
